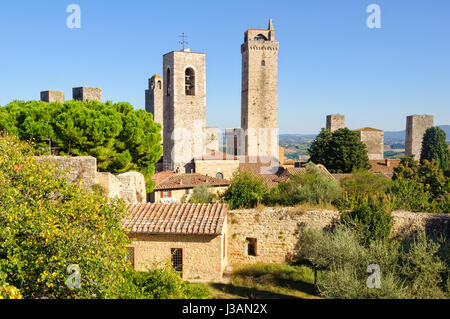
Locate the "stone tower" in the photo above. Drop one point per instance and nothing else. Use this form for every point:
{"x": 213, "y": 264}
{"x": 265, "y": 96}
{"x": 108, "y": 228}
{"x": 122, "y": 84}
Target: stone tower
{"x": 335, "y": 122}
{"x": 154, "y": 99}
{"x": 52, "y": 96}
{"x": 86, "y": 93}
{"x": 416, "y": 125}
{"x": 259, "y": 91}
{"x": 184, "y": 109}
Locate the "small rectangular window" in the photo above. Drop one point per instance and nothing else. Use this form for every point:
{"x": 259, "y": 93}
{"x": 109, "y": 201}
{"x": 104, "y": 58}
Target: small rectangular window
{"x": 252, "y": 248}
{"x": 177, "y": 259}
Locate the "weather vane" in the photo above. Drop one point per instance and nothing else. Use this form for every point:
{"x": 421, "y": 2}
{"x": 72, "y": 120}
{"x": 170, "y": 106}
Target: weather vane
{"x": 183, "y": 42}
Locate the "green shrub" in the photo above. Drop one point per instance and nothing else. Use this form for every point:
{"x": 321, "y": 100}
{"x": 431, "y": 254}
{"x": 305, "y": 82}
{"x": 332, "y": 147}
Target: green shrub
{"x": 201, "y": 195}
{"x": 371, "y": 219}
{"x": 435, "y": 148}
{"x": 314, "y": 187}
{"x": 412, "y": 269}
{"x": 163, "y": 282}
{"x": 245, "y": 191}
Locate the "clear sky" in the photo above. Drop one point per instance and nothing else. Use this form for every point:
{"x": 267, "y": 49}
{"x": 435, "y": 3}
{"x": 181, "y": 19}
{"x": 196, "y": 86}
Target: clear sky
{"x": 329, "y": 60}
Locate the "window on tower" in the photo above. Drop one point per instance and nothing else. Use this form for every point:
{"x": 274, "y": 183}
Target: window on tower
{"x": 159, "y": 85}
{"x": 263, "y": 63}
{"x": 168, "y": 82}
{"x": 190, "y": 81}
{"x": 260, "y": 37}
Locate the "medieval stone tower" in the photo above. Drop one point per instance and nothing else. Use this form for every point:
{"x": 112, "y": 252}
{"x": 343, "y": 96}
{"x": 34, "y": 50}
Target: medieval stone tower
{"x": 416, "y": 125}
{"x": 335, "y": 122}
{"x": 154, "y": 99}
{"x": 259, "y": 91}
{"x": 184, "y": 102}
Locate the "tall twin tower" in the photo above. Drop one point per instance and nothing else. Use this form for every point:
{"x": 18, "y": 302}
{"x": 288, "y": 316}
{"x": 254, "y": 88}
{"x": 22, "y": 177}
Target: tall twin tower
{"x": 178, "y": 102}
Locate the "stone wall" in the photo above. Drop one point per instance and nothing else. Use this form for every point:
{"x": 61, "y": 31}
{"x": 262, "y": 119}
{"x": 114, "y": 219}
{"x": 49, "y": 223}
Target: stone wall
{"x": 212, "y": 167}
{"x": 82, "y": 170}
{"x": 276, "y": 230}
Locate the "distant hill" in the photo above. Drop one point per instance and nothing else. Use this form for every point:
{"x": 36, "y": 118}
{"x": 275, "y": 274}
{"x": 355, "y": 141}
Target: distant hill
{"x": 400, "y": 135}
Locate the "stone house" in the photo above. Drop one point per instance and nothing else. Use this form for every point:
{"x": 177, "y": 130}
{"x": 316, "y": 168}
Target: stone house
{"x": 178, "y": 188}
{"x": 193, "y": 237}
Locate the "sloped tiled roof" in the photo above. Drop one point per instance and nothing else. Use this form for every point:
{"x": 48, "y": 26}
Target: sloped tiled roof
{"x": 195, "y": 219}
{"x": 369, "y": 129}
{"x": 182, "y": 181}
{"x": 385, "y": 167}
{"x": 160, "y": 176}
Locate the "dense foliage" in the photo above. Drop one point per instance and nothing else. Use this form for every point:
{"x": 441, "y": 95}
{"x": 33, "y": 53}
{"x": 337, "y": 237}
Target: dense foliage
{"x": 372, "y": 220}
{"x": 245, "y": 191}
{"x": 201, "y": 195}
{"x": 409, "y": 268}
{"x": 121, "y": 138}
{"x": 435, "y": 148}
{"x": 314, "y": 187}
{"x": 162, "y": 281}
{"x": 47, "y": 225}
{"x": 340, "y": 151}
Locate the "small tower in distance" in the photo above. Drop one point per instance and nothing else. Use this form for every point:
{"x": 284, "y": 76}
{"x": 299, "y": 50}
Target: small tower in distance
{"x": 335, "y": 122}
{"x": 259, "y": 92}
{"x": 416, "y": 125}
{"x": 154, "y": 99}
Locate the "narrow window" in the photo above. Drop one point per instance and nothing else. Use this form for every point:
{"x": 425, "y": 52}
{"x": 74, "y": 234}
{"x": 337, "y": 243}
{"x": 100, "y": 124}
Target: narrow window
{"x": 168, "y": 82}
{"x": 252, "y": 248}
{"x": 263, "y": 63}
{"x": 130, "y": 255}
{"x": 177, "y": 259}
{"x": 219, "y": 175}
{"x": 235, "y": 145}
{"x": 190, "y": 81}
{"x": 159, "y": 85}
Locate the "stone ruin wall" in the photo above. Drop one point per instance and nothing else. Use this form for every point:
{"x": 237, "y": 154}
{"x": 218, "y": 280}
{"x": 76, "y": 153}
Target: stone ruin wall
{"x": 82, "y": 170}
{"x": 277, "y": 230}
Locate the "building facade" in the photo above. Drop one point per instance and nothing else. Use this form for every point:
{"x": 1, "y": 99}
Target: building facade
{"x": 154, "y": 99}
{"x": 335, "y": 122}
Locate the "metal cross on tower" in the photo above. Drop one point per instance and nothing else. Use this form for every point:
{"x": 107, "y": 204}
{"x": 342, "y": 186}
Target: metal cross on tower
{"x": 183, "y": 42}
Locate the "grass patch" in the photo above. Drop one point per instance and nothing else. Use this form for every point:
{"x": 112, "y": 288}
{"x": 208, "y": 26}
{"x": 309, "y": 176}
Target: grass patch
{"x": 267, "y": 281}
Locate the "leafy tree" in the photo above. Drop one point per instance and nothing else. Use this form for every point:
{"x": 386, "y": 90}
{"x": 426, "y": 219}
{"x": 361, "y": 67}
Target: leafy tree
{"x": 47, "y": 224}
{"x": 245, "y": 191}
{"x": 121, "y": 138}
{"x": 435, "y": 148}
{"x": 340, "y": 151}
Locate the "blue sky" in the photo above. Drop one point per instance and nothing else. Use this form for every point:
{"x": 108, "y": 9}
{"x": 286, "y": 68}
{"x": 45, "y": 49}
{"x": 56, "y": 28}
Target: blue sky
{"x": 329, "y": 60}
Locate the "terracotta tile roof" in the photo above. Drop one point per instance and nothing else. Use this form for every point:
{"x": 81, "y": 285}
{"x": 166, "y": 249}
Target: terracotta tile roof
{"x": 385, "y": 167}
{"x": 183, "y": 181}
{"x": 160, "y": 176}
{"x": 216, "y": 155}
{"x": 341, "y": 176}
{"x": 368, "y": 129}
{"x": 272, "y": 175}
{"x": 197, "y": 219}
